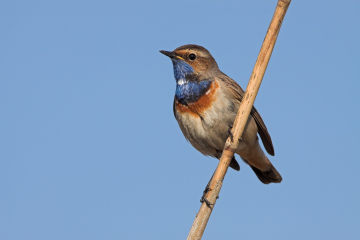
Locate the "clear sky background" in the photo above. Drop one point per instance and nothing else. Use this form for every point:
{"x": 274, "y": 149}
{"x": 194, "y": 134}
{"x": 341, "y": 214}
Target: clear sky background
{"x": 90, "y": 149}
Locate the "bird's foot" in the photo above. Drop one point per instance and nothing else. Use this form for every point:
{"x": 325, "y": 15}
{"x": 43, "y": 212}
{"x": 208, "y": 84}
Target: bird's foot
{"x": 229, "y": 133}
{"x": 206, "y": 190}
{"x": 207, "y": 202}
{"x": 203, "y": 199}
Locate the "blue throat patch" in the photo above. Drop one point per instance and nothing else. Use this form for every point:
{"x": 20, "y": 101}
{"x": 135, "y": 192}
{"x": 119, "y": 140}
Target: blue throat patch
{"x": 191, "y": 91}
{"x": 188, "y": 90}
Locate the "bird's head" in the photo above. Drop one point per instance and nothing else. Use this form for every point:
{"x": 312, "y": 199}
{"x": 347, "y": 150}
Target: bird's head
{"x": 192, "y": 63}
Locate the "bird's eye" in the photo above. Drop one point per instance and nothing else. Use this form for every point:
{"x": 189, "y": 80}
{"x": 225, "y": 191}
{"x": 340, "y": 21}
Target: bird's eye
{"x": 192, "y": 56}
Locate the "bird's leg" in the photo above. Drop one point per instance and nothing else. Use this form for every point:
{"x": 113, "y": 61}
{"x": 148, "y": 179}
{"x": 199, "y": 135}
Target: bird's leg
{"x": 229, "y": 133}
{"x": 206, "y": 190}
{"x": 207, "y": 202}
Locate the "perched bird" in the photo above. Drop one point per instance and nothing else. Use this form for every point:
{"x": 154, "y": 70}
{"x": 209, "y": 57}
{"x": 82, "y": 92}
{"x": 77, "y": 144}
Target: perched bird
{"x": 205, "y": 105}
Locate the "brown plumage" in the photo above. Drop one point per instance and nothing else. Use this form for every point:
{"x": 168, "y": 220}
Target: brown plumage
{"x": 206, "y": 103}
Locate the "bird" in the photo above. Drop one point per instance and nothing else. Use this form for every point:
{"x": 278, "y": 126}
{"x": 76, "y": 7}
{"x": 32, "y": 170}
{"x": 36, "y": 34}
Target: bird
{"x": 205, "y": 106}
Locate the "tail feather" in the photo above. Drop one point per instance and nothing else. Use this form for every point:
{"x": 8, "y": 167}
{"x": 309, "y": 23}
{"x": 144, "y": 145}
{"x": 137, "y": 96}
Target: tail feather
{"x": 271, "y": 176}
{"x": 234, "y": 164}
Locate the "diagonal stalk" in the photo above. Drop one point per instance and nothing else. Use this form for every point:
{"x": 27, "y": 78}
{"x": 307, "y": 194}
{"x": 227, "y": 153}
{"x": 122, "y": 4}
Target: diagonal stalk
{"x": 230, "y": 147}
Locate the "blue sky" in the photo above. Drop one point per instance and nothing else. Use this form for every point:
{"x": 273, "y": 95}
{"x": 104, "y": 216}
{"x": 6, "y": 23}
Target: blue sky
{"x": 90, "y": 148}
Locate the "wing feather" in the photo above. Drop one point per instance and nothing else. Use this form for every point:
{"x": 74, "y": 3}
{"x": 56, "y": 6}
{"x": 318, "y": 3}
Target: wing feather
{"x": 238, "y": 93}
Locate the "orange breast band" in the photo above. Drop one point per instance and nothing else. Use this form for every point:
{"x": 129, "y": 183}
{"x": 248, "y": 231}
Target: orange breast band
{"x": 197, "y": 108}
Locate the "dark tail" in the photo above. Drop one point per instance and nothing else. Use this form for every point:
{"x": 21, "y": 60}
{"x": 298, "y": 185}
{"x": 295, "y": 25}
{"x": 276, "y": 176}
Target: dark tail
{"x": 271, "y": 176}
{"x": 234, "y": 164}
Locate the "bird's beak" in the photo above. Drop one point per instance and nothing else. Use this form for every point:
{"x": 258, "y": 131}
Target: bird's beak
{"x": 169, "y": 54}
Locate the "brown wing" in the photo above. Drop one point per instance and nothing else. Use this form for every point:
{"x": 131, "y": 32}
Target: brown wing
{"x": 262, "y": 130}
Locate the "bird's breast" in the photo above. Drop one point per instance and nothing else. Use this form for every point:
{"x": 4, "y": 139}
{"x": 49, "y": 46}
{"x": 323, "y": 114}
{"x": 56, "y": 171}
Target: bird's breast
{"x": 204, "y": 122}
{"x": 204, "y": 102}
